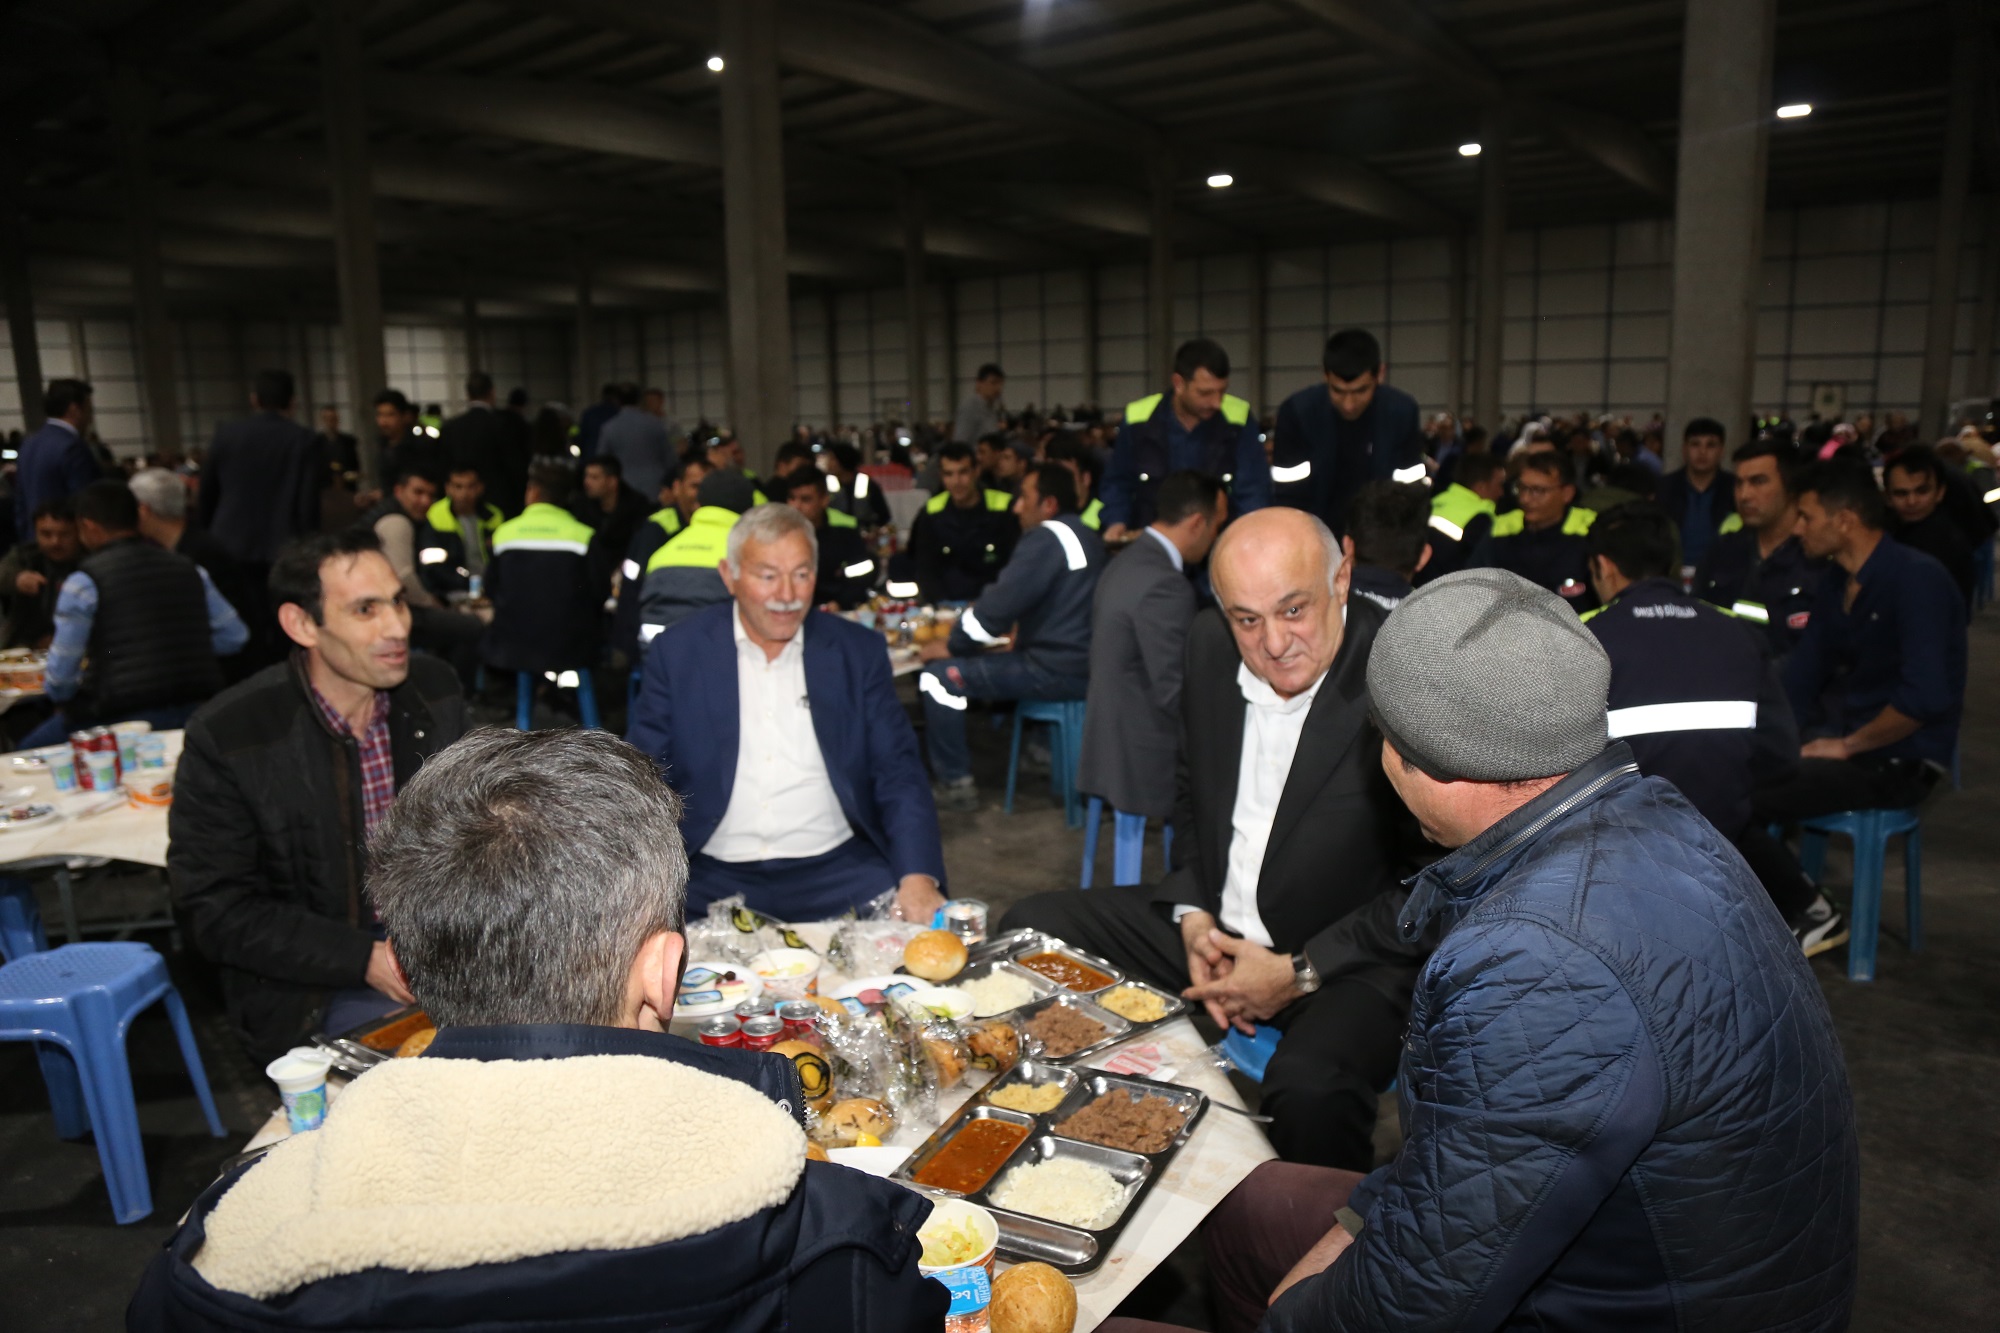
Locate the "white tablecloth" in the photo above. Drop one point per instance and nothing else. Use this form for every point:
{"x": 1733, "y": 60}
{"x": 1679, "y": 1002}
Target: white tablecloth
{"x": 124, "y": 832}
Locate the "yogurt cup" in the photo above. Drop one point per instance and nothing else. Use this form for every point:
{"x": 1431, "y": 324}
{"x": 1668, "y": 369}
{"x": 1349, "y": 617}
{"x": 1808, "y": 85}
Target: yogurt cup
{"x": 60, "y": 761}
{"x": 300, "y": 1074}
{"x": 128, "y": 734}
{"x": 970, "y": 1283}
{"x": 103, "y": 769}
{"x": 787, "y": 974}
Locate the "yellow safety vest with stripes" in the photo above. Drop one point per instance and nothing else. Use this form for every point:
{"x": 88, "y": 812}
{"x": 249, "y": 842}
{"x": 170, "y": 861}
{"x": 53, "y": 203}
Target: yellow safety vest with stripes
{"x": 442, "y": 519}
{"x": 997, "y": 501}
{"x": 704, "y": 542}
{"x": 1236, "y": 411}
{"x": 1092, "y": 516}
{"x": 1456, "y": 506}
{"x": 543, "y": 527}
{"x": 669, "y": 520}
{"x": 836, "y": 519}
{"x": 1576, "y": 522}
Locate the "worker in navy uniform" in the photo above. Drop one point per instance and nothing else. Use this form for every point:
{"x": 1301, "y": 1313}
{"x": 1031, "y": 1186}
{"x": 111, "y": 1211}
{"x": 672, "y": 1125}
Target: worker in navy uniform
{"x": 1877, "y": 680}
{"x": 1038, "y": 611}
{"x": 1755, "y": 567}
{"x": 1387, "y": 540}
{"x": 680, "y": 496}
{"x": 1543, "y": 540}
{"x": 1198, "y": 426}
{"x": 854, "y": 491}
{"x": 1462, "y": 514}
{"x": 1915, "y": 484}
{"x": 1693, "y": 689}
{"x": 1088, "y": 470}
{"x": 965, "y": 532}
{"x": 846, "y": 565}
{"x": 1333, "y": 438}
{"x": 1698, "y": 495}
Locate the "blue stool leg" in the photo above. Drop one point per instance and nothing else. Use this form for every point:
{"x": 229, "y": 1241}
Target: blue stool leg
{"x": 1091, "y": 819}
{"x": 586, "y": 700}
{"x": 524, "y": 701}
{"x": 1068, "y": 743}
{"x": 114, "y": 1114}
{"x": 65, "y": 1085}
{"x": 1128, "y": 847}
{"x": 21, "y": 930}
{"x": 1013, "y": 763}
{"x": 1870, "y": 849}
{"x": 191, "y": 1057}
{"x": 1812, "y": 854}
{"x": 1913, "y": 887}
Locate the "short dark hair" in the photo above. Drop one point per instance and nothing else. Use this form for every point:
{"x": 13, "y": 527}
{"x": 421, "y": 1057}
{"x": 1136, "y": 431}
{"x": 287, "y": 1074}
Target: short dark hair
{"x": 1066, "y": 448}
{"x": 1638, "y": 537}
{"x": 478, "y": 384}
{"x": 272, "y": 389}
{"x": 520, "y": 872}
{"x": 1769, "y": 446}
{"x": 517, "y": 397}
{"x": 1472, "y": 469}
{"x": 553, "y": 479}
{"x": 295, "y": 574}
{"x": 1350, "y": 354}
{"x": 1841, "y": 484}
{"x": 789, "y": 453}
{"x": 680, "y": 468}
{"x": 1550, "y": 461}
{"x": 1702, "y": 426}
{"x": 607, "y": 463}
{"x": 1054, "y": 482}
{"x": 109, "y": 504}
{"x": 64, "y": 394}
{"x": 1201, "y": 354}
{"x": 989, "y": 371}
{"x": 846, "y": 455}
{"x": 628, "y": 395}
{"x": 394, "y": 398}
{"x": 1918, "y": 460}
{"x": 1184, "y": 494}
{"x": 1388, "y": 521}
{"x": 57, "y": 509}
{"x": 958, "y": 451}
{"x": 407, "y": 470}
{"x": 456, "y": 468}
{"x": 802, "y": 479}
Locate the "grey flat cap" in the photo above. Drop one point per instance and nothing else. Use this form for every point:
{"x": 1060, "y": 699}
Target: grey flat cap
{"x": 1482, "y": 675}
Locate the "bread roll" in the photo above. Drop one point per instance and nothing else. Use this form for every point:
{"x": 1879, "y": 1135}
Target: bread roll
{"x": 860, "y": 1115}
{"x": 1032, "y": 1298}
{"x": 416, "y": 1043}
{"x": 935, "y": 955}
{"x": 815, "y": 1153}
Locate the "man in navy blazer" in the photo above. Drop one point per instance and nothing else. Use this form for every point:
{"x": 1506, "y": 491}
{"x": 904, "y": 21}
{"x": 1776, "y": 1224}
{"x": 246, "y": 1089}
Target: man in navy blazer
{"x": 779, "y": 727}
{"x": 56, "y": 461}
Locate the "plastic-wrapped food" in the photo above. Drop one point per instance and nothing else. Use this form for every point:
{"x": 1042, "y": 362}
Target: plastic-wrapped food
{"x": 993, "y": 1044}
{"x": 737, "y": 933}
{"x": 913, "y": 1082}
{"x": 872, "y": 948}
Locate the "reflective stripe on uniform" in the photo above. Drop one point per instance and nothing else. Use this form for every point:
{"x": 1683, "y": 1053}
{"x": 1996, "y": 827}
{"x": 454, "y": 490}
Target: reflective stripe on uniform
{"x": 970, "y": 624}
{"x": 541, "y": 544}
{"x": 1447, "y": 527}
{"x": 856, "y": 570}
{"x": 929, "y": 684}
{"x": 432, "y": 555}
{"x": 1706, "y": 715}
{"x": 1284, "y": 476}
{"x": 895, "y": 589}
{"x": 1414, "y": 472}
{"x": 836, "y": 519}
{"x": 632, "y": 570}
{"x": 1072, "y": 545}
{"x": 860, "y": 485}
{"x": 1756, "y": 611}
{"x": 647, "y": 633}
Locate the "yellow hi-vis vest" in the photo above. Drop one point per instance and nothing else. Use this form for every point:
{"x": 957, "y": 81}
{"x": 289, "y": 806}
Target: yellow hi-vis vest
{"x": 1575, "y": 523}
{"x": 1456, "y": 506}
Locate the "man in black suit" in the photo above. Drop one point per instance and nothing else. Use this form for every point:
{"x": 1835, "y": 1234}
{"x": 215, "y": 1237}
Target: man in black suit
{"x": 1288, "y": 844}
{"x": 498, "y": 445}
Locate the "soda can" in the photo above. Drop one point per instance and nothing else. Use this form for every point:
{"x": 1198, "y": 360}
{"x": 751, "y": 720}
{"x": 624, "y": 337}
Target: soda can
{"x": 801, "y": 1019}
{"x": 722, "y": 1030}
{"x": 762, "y": 1032}
{"x": 756, "y": 1008}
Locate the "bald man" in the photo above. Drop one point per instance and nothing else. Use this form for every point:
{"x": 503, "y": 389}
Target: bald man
{"x": 1289, "y": 843}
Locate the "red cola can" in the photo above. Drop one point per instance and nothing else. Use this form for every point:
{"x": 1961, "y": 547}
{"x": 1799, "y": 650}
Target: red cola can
{"x": 801, "y": 1019}
{"x": 722, "y": 1030}
{"x": 756, "y": 1008}
{"x": 762, "y": 1032}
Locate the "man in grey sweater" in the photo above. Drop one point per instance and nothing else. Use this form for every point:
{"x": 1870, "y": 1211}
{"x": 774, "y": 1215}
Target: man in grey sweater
{"x": 638, "y": 440}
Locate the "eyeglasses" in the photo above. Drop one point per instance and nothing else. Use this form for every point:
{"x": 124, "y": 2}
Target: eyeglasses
{"x": 1536, "y": 492}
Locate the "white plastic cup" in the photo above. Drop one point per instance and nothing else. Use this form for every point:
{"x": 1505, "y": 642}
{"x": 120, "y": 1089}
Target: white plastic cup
{"x": 103, "y": 766}
{"x": 61, "y": 763}
{"x": 128, "y": 734}
{"x": 300, "y": 1074}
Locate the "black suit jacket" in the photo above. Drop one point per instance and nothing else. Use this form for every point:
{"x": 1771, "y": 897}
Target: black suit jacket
{"x": 260, "y": 485}
{"x": 1342, "y": 838}
{"x": 497, "y": 443}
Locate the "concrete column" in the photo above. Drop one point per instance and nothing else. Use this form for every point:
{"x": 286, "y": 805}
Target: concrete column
{"x": 352, "y": 177}
{"x": 1487, "y": 346}
{"x": 1093, "y": 389}
{"x": 1979, "y": 374}
{"x": 583, "y": 343}
{"x": 474, "y": 354}
{"x": 916, "y": 294}
{"x": 1940, "y": 330}
{"x": 948, "y": 289}
{"x": 753, "y": 207}
{"x": 1454, "y": 336}
{"x": 832, "y": 359}
{"x": 1160, "y": 280}
{"x": 1719, "y": 214}
{"x": 18, "y": 292}
{"x": 1259, "y": 387}
{"x": 131, "y": 114}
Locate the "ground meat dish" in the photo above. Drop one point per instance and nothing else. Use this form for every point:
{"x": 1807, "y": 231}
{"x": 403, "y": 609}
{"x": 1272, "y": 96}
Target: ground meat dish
{"x": 1120, "y": 1120}
{"x": 1063, "y": 1031}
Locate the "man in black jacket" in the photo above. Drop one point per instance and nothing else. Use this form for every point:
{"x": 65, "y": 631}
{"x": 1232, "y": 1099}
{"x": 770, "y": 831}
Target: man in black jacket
{"x": 282, "y": 780}
{"x": 33, "y": 573}
{"x": 1281, "y": 904}
{"x": 594, "y": 1172}
{"x": 499, "y": 444}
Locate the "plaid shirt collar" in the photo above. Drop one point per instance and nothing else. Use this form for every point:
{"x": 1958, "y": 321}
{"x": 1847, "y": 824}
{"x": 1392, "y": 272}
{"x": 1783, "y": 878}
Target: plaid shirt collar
{"x": 378, "y": 768}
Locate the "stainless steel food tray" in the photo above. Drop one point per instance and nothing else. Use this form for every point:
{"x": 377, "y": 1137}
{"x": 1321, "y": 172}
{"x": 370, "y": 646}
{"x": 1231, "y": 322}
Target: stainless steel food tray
{"x": 1050, "y": 944}
{"x": 1073, "y": 1250}
{"x": 1176, "y": 1006}
{"x": 1116, "y": 1029}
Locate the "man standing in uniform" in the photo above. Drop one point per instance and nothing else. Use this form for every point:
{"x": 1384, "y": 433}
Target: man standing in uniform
{"x": 1197, "y": 426}
{"x": 1043, "y": 601}
{"x": 964, "y": 534}
{"x": 1755, "y": 567}
{"x": 1543, "y": 540}
{"x": 1354, "y": 429}
{"x": 1699, "y": 496}
{"x": 1462, "y": 517}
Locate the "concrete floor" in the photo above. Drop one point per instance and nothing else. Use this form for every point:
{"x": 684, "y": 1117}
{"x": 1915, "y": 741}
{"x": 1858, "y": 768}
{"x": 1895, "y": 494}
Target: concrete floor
{"x": 1922, "y": 1046}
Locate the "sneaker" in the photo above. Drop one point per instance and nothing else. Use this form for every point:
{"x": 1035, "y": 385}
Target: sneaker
{"x": 1820, "y": 928}
{"x": 961, "y": 795}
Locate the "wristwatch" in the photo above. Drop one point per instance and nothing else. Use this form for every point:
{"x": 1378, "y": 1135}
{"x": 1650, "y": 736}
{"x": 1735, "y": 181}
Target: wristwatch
{"x": 1305, "y": 977}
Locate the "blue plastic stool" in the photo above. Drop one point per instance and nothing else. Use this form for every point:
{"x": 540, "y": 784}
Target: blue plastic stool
{"x": 81, "y": 998}
{"x": 1250, "y": 1055}
{"x": 1982, "y": 574}
{"x": 20, "y": 920}
{"x": 1065, "y": 719}
{"x": 524, "y": 700}
{"x": 1128, "y": 843}
{"x": 1871, "y": 831}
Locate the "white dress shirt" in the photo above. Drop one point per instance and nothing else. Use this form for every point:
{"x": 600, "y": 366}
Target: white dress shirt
{"x": 1271, "y": 729}
{"x": 782, "y": 804}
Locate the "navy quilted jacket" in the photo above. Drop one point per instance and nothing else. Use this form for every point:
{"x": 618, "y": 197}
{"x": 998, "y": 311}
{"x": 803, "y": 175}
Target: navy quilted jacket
{"x": 1622, "y": 1098}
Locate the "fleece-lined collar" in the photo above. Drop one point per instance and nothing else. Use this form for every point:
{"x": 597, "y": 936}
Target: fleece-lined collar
{"x": 435, "y": 1164}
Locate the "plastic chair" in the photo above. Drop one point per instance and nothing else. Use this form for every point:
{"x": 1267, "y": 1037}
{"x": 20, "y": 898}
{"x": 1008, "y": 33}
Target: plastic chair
{"x": 524, "y": 698}
{"x": 20, "y": 920}
{"x": 1251, "y": 1055}
{"x": 1870, "y": 831}
{"x": 1065, "y": 719}
{"x": 1128, "y": 843}
{"x": 75, "y": 1003}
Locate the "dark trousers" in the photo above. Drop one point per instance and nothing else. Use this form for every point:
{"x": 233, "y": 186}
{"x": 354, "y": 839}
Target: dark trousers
{"x": 1340, "y": 1045}
{"x": 1251, "y": 1241}
{"x": 451, "y": 635}
{"x": 1822, "y": 787}
{"x": 801, "y": 888}
{"x": 946, "y": 685}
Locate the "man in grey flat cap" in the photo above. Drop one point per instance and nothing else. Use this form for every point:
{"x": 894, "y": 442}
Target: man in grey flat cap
{"x": 1621, "y": 1095}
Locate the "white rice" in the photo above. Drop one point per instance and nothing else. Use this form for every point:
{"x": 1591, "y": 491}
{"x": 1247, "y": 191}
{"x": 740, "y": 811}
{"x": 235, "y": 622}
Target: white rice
{"x": 1062, "y": 1190}
{"x": 997, "y": 992}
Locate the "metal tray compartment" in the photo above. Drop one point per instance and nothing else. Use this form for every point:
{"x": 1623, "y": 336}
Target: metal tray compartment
{"x": 1006, "y": 945}
{"x": 1040, "y": 984}
{"x": 1116, "y": 1028}
{"x": 1130, "y": 1169}
{"x": 1090, "y": 1085}
{"x": 948, "y": 1131}
{"x": 1176, "y": 1006}
{"x": 1055, "y": 946}
{"x": 1034, "y": 1073}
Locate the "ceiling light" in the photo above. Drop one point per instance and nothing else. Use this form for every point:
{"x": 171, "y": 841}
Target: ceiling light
{"x": 1468, "y": 150}
{"x": 1221, "y": 180}
{"x": 715, "y": 64}
{"x": 1795, "y": 110}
